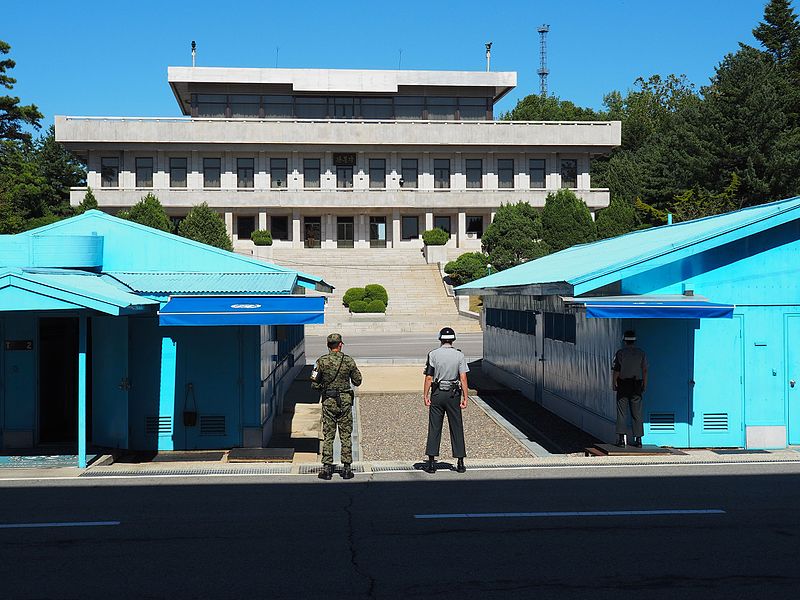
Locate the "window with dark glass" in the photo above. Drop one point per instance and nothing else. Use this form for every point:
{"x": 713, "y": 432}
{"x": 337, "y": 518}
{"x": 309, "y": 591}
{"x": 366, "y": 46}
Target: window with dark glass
{"x": 409, "y": 172}
{"x": 177, "y": 172}
{"x": 409, "y": 228}
{"x": 211, "y": 172}
{"x": 377, "y": 172}
{"x": 245, "y": 106}
{"x": 474, "y": 167}
{"x": 109, "y": 172}
{"x": 441, "y": 173}
{"x": 311, "y": 107}
{"x": 472, "y": 109}
{"x": 560, "y": 327}
{"x": 409, "y": 107}
{"x": 144, "y": 172}
{"x": 345, "y": 228}
{"x": 245, "y": 226}
{"x": 376, "y": 108}
{"x": 311, "y": 172}
{"x": 279, "y": 227}
{"x": 505, "y": 172}
{"x": 442, "y": 223}
{"x": 245, "y": 172}
{"x": 278, "y": 172}
{"x": 521, "y": 321}
{"x": 441, "y": 109}
{"x": 277, "y": 107}
{"x": 211, "y": 105}
{"x": 342, "y": 108}
{"x": 569, "y": 173}
{"x": 475, "y": 225}
{"x": 536, "y": 171}
{"x": 344, "y": 177}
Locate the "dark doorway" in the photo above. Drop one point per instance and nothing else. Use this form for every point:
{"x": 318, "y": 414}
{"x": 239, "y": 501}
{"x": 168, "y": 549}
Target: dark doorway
{"x": 344, "y": 232}
{"x": 313, "y": 232}
{"x": 58, "y": 380}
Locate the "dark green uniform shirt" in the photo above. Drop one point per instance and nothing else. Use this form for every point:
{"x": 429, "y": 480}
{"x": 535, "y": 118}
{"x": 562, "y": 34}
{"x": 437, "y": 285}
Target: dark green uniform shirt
{"x": 328, "y": 366}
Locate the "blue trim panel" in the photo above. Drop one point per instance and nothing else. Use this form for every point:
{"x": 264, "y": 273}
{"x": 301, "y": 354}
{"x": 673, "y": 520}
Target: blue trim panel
{"x": 658, "y": 310}
{"x": 190, "y": 311}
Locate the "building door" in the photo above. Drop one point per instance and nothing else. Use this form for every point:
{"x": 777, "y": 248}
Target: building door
{"x": 110, "y": 382}
{"x": 58, "y": 380}
{"x": 344, "y": 232}
{"x": 313, "y": 232}
{"x": 793, "y": 376}
{"x": 377, "y": 232}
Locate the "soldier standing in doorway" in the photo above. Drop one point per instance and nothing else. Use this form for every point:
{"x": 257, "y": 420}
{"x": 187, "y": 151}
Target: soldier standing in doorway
{"x": 445, "y": 391}
{"x": 332, "y": 375}
{"x": 630, "y": 382}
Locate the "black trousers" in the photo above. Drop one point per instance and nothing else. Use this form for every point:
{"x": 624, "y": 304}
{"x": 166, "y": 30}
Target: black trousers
{"x": 441, "y": 403}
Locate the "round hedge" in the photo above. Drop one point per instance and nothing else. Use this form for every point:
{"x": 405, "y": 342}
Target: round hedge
{"x": 435, "y": 237}
{"x": 358, "y": 306}
{"x": 375, "y": 291}
{"x": 376, "y": 306}
{"x": 261, "y": 237}
{"x": 352, "y": 295}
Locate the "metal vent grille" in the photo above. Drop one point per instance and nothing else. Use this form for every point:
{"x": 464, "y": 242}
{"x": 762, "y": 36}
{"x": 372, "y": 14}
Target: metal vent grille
{"x": 662, "y": 421}
{"x": 715, "y": 421}
{"x": 212, "y": 425}
{"x": 158, "y": 425}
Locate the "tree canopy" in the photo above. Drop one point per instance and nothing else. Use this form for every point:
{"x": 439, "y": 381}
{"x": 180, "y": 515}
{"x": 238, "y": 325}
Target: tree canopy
{"x": 515, "y": 236}
{"x": 566, "y": 221}
{"x": 13, "y": 115}
{"x": 205, "y": 225}
{"x": 148, "y": 211}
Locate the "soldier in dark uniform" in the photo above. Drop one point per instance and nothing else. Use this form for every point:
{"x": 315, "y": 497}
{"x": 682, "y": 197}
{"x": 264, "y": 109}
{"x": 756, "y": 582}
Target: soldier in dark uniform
{"x": 445, "y": 391}
{"x": 332, "y": 375}
{"x": 630, "y": 382}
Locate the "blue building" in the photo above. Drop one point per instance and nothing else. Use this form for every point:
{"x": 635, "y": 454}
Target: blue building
{"x": 116, "y": 335}
{"x": 715, "y": 303}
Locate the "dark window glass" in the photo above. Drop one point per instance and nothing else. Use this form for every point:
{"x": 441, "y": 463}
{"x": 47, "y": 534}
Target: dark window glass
{"x": 505, "y": 172}
{"x": 441, "y": 173}
{"x": 536, "y": 170}
{"x": 109, "y": 172}
{"x": 211, "y": 105}
{"x": 408, "y": 107}
{"x": 475, "y": 225}
{"x": 474, "y": 172}
{"x": 472, "y": 109}
{"x": 344, "y": 177}
{"x": 442, "y": 223}
{"x": 377, "y": 232}
{"x": 376, "y": 108}
{"x": 343, "y": 108}
{"x": 310, "y": 107}
{"x": 560, "y": 327}
{"x": 245, "y": 172}
{"x": 441, "y": 108}
{"x": 409, "y": 172}
{"x": 311, "y": 172}
{"x": 377, "y": 173}
{"x": 279, "y": 228}
{"x": 344, "y": 232}
{"x": 409, "y": 228}
{"x": 211, "y": 172}
{"x": 569, "y": 173}
{"x": 245, "y": 106}
{"x": 569, "y": 328}
{"x": 278, "y": 172}
{"x": 177, "y": 172}
{"x": 278, "y": 106}
{"x": 312, "y": 227}
{"x": 144, "y": 172}
{"x": 245, "y": 226}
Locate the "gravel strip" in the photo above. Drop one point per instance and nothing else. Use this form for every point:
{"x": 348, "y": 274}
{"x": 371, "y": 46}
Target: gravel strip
{"x": 395, "y": 426}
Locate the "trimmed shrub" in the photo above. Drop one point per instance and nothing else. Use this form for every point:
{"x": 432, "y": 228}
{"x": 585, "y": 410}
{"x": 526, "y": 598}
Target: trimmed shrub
{"x": 376, "y": 291}
{"x": 261, "y": 237}
{"x": 467, "y": 267}
{"x": 353, "y": 295}
{"x": 358, "y": 306}
{"x": 435, "y": 237}
{"x": 376, "y": 306}
{"x": 205, "y": 225}
{"x": 148, "y": 211}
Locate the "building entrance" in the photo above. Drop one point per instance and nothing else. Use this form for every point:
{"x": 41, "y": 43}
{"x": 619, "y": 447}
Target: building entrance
{"x": 344, "y": 232}
{"x": 377, "y": 232}
{"x": 58, "y": 380}
{"x": 313, "y": 232}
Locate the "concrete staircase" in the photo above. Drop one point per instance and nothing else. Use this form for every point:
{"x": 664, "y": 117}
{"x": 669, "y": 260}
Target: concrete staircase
{"x": 418, "y": 301}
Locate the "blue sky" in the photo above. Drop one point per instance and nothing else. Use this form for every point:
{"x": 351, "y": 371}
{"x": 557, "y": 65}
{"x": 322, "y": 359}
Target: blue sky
{"x": 106, "y": 58}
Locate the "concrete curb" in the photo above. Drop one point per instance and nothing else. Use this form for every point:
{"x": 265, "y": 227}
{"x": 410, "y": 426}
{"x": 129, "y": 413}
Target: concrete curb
{"x": 529, "y": 445}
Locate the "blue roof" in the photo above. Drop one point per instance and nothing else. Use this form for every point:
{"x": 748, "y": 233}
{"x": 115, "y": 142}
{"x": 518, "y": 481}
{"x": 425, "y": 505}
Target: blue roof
{"x": 586, "y": 267}
{"x": 208, "y": 283}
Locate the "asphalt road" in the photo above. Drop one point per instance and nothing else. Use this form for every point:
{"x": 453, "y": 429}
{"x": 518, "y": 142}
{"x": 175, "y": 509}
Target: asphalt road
{"x": 407, "y": 346}
{"x": 304, "y": 538}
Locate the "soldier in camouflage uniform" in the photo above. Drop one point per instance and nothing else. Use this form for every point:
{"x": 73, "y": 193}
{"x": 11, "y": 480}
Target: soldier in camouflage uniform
{"x": 332, "y": 375}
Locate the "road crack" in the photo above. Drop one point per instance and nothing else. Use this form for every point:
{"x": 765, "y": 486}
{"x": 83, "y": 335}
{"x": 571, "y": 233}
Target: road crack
{"x": 354, "y": 558}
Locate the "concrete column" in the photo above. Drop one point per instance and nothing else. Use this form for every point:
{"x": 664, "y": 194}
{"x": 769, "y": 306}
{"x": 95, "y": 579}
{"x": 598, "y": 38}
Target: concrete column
{"x": 396, "y": 228}
{"x": 294, "y": 167}
{"x": 360, "y": 173}
{"x": 160, "y": 171}
{"x": 229, "y": 223}
{"x": 127, "y": 179}
{"x": 328, "y": 231}
{"x": 327, "y": 172}
{"x": 491, "y": 219}
{"x": 425, "y": 175}
{"x": 584, "y": 164}
{"x": 461, "y": 229}
{"x": 553, "y": 178}
{"x": 82, "y": 392}
{"x": 194, "y": 174}
{"x": 166, "y": 395}
{"x": 297, "y": 239}
{"x": 362, "y": 231}
{"x": 228, "y": 177}
{"x": 260, "y": 177}
{"x": 428, "y": 221}
{"x": 393, "y": 171}
{"x": 262, "y": 220}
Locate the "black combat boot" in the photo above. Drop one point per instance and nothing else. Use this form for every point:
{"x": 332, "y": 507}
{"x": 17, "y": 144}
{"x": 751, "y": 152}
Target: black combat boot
{"x": 326, "y": 472}
{"x": 347, "y": 472}
{"x": 430, "y": 465}
{"x": 637, "y": 442}
{"x": 460, "y": 466}
{"x": 620, "y": 440}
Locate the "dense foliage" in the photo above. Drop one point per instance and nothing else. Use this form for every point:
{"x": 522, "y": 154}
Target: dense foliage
{"x": 205, "y": 225}
{"x": 566, "y": 221}
{"x": 515, "y": 236}
{"x": 467, "y": 267}
{"x": 371, "y": 298}
{"x": 261, "y": 237}
{"x": 148, "y": 211}
{"x": 435, "y": 237}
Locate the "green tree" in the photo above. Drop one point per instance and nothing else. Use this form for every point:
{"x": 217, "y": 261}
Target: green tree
{"x": 88, "y": 203}
{"x": 148, "y": 211}
{"x": 779, "y": 32}
{"x": 467, "y": 267}
{"x": 514, "y": 237}
{"x": 550, "y": 108}
{"x": 13, "y": 115}
{"x": 697, "y": 202}
{"x": 617, "y": 219}
{"x": 205, "y": 225}
{"x": 566, "y": 221}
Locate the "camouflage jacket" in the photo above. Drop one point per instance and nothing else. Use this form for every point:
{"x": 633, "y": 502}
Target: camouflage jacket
{"x": 328, "y": 365}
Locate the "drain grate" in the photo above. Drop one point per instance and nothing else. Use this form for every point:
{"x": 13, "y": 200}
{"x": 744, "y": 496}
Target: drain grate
{"x": 314, "y": 469}
{"x": 392, "y": 468}
{"x": 261, "y": 470}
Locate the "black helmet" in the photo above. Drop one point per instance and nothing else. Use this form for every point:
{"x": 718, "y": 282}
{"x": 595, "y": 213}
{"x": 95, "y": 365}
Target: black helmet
{"x": 447, "y": 334}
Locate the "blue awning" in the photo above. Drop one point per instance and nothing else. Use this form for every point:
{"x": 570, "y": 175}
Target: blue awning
{"x": 639, "y": 308}
{"x": 242, "y": 310}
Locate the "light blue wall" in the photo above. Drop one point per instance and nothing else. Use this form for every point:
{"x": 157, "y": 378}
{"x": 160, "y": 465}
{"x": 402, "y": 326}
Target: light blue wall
{"x": 19, "y": 374}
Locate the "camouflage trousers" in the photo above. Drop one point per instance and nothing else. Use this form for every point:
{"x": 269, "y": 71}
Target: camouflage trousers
{"x": 334, "y": 418}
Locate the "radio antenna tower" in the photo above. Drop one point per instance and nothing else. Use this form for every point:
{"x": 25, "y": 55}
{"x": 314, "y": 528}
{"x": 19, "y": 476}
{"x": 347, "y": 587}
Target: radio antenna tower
{"x": 543, "y": 70}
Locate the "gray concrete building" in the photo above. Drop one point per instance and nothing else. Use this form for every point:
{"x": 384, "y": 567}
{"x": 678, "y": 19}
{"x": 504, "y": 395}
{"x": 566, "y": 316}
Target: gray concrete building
{"x": 338, "y": 158}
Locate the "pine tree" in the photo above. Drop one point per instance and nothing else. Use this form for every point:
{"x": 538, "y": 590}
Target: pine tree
{"x": 617, "y": 219}
{"x": 88, "y": 203}
{"x": 566, "y": 221}
{"x": 779, "y": 32}
{"x": 148, "y": 211}
{"x": 205, "y": 225}
{"x": 514, "y": 237}
{"x": 13, "y": 115}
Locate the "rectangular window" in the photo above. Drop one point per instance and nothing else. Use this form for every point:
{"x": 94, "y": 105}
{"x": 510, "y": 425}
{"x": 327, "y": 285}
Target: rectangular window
{"x": 521, "y": 321}
{"x": 560, "y": 327}
{"x": 278, "y": 172}
{"x": 277, "y": 107}
{"x": 343, "y": 108}
{"x": 441, "y": 173}
{"x": 409, "y": 228}
{"x": 177, "y": 172}
{"x": 109, "y": 172}
{"x": 409, "y": 173}
{"x": 311, "y": 172}
{"x": 377, "y": 172}
{"x": 279, "y": 228}
{"x": 344, "y": 177}
{"x": 569, "y": 173}
{"x": 442, "y": 223}
{"x": 475, "y": 225}
{"x": 144, "y": 172}
{"x": 212, "y": 169}
{"x": 376, "y": 108}
{"x": 345, "y": 228}
{"x": 536, "y": 171}
{"x": 310, "y": 107}
{"x": 472, "y": 109}
{"x": 211, "y": 105}
{"x": 408, "y": 107}
{"x": 474, "y": 172}
{"x": 245, "y": 172}
{"x": 441, "y": 109}
{"x": 505, "y": 173}
{"x": 245, "y": 226}
{"x": 247, "y": 107}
